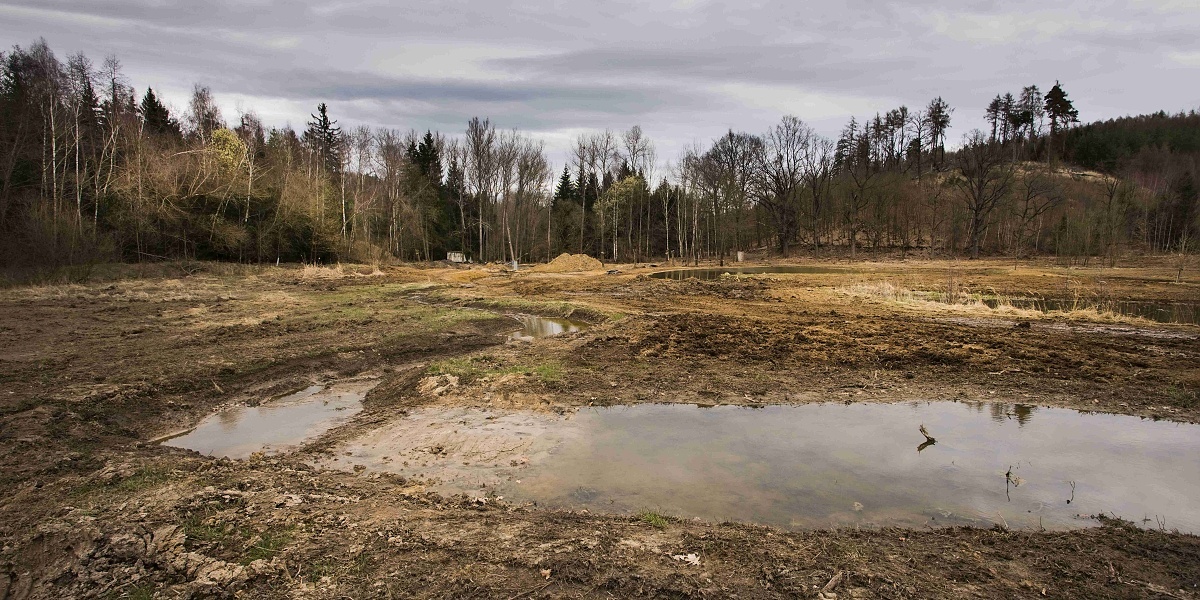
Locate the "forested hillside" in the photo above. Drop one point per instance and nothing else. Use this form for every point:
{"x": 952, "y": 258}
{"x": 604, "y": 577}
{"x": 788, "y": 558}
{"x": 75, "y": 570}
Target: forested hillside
{"x": 93, "y": 168}
{"x": 1141, "y": 142}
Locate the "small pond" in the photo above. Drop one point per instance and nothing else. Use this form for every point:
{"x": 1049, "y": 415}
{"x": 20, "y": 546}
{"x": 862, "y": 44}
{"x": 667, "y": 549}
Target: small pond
{"x": 534, "y": 327}
{"x": 809, "y": 466}
{"x": 718, "y": 272}
{"x": 1162, "y": 312}
{"x": 277, "y": 426}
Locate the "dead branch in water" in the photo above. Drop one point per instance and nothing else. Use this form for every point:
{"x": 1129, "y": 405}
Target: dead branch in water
{"x": 928, "y": 438}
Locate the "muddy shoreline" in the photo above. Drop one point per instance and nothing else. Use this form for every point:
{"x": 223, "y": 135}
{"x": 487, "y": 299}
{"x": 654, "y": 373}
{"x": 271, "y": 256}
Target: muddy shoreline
{"x": 92, "y": 373}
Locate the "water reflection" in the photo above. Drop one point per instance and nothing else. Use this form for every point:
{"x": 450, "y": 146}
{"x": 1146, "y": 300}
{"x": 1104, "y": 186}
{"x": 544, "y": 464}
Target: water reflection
{"x": 276, "y": 426}
{"x": 534, "y": 327}
{"x": 834, "y": 464}
{"x": 1005, "y": 412}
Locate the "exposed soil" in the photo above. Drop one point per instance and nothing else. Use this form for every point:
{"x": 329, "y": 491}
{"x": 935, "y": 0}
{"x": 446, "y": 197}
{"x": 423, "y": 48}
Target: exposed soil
{"x": 570, "y": 263}
{"x": 92, "y": 373}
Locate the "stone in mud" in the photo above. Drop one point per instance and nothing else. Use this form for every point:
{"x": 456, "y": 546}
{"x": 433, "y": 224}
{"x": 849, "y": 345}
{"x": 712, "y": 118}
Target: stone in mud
{"x": 437, "y": 385}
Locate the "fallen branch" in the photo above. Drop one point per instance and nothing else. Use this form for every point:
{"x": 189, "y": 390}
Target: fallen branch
{"x": 833, "y": 582}
{"x": 928, "y": 438}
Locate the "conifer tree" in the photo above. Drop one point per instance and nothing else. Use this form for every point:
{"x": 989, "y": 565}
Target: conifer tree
{"x": 566, "y": 188}
{"x": 427, "y": 158}
{"x": 1060, "y": 109}
{"x": 939, "y": 121}
{"x": 992, "y": 115}
{"x": 322, "y": 135}
{"x": 1032, "y": 110}
{"x": 157, "y": 117}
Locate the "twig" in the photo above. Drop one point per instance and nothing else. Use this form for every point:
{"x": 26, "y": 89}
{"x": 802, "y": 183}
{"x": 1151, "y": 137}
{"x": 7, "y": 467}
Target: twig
{"x": 531, "y": 591}
{"x": 1158, "y": 589}
{"x": 1002, "y": 519}
{"x": 928, "y": 438}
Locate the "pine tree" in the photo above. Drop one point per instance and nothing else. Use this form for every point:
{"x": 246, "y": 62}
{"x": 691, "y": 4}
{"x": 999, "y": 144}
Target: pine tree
{"x": 846, "y": 143}
{"x": 992, "y": 115}
{"x": 566, "y": 189}
{"x": 1008, "y": 118}
{"x": 1061, "y": 112}
{"x": 1060, "y": 109}
{"x": 939, "y": 121}
{"x": 89, "y": 116}
{"x": 426, "y": 157}
{"x": 322, "y": 135}
{"x": 1031, "y": 110}
{"x": 157, "y": 117}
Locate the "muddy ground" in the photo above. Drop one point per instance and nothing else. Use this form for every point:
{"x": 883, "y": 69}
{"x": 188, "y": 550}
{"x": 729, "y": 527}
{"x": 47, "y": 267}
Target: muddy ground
{"x": 93, "y": 373}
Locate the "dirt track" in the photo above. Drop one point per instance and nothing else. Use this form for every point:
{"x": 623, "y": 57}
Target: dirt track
{"x": 91, "y": 373}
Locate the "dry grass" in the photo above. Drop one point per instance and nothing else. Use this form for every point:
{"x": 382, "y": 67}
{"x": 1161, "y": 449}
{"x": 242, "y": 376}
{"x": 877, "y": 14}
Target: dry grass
{"x": 953, "y": 298}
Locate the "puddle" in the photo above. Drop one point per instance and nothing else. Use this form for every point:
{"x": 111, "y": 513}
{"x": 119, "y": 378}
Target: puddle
{"x": 534, "y": 327}
{"x": 717, "y": 273}
{"x": 1162, "y": 312}
{"x": 277, "y": 426}
{"x": 810, "y": 466}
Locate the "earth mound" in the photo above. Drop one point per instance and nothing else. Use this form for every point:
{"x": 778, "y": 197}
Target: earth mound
{"x": 571, "y": 263}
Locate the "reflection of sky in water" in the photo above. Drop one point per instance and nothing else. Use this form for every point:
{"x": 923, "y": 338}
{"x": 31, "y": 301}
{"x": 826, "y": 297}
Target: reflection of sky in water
{"x": 275, "y": 426}
{"x": 541, "y": 327}
{"x": 807, "y": 466}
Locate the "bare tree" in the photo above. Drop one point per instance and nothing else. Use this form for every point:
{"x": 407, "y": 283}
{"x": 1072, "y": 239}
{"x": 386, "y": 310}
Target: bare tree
{"x": 1034, "y": 193}
{"x": 730, "y": 166}
{"x": 984, "y": 178}
{"x": 584, "y": 159}
{"x": 818, "y": 169}
{"x": 779, "y": 172}
{"x": 481, "y": 170}
{"x": 1118, "y": 194}
{"x": 604, "y": 155}
{"x": 204, "y": 115}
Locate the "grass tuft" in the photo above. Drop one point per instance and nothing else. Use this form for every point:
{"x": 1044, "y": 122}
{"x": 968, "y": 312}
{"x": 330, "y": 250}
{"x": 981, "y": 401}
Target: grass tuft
{"x": 142, "y": 479}
{"x": 654, "y": 519}
{"x": 269, "y": 544}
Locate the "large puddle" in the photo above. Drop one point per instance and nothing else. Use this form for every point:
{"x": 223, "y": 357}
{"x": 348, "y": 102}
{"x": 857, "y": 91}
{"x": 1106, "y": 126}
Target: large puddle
{"x": 1162, "y": 312}
{"x": 534, "y": 327}
{"x": 717, "y": 273}
{"x": 278, "y": 426}
{"x": 809, "y": 466}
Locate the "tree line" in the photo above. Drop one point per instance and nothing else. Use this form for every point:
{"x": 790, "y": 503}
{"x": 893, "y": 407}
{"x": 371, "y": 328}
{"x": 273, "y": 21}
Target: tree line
{"x": 93, "y": 169}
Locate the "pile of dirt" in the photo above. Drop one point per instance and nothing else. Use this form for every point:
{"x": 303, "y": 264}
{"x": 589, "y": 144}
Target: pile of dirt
{"x": 571, "y": 263}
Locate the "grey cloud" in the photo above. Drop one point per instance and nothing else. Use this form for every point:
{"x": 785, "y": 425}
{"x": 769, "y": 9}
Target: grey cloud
{"x": 556, "y": 65}
{"x": 525, "y": 104}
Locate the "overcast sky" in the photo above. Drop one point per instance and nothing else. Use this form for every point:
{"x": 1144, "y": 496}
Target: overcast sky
{"x": 685, "y": 71}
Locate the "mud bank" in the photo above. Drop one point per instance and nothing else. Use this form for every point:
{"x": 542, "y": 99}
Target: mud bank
{"x": 93, "y": 373}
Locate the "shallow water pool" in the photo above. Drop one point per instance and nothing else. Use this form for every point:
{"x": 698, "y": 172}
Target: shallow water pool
{"x": 277, "y": 426}
{"x": 810, "y": 466}
{"x": 534, "y": 327}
